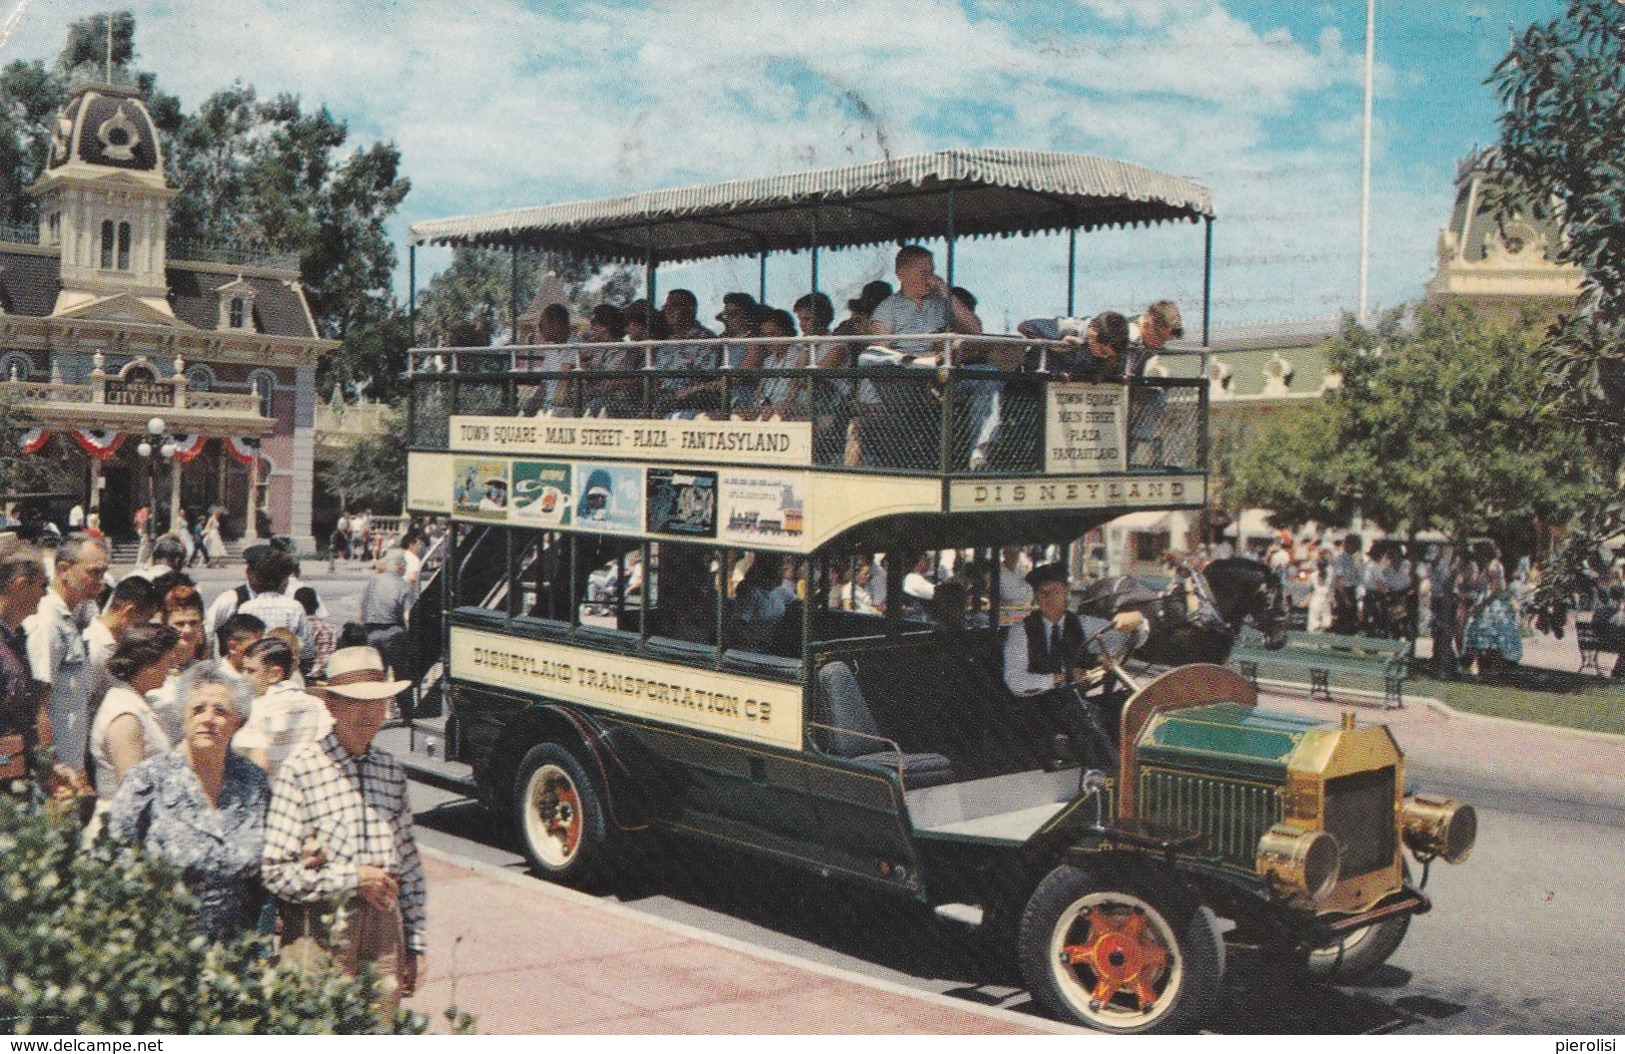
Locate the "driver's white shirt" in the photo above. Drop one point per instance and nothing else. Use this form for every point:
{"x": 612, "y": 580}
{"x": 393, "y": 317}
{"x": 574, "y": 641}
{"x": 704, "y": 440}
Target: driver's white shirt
{"x": 1023, "y": 682}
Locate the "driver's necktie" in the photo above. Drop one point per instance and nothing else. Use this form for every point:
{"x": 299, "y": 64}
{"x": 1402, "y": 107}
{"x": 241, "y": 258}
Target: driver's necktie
{"x": 1055, "y": 652}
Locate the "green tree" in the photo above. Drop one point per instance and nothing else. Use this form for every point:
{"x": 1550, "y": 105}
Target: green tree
{"x": 372, "y": 470}
{"x": 269, "y": 173}
{"x": 469, "y": 304}
{"x": 1440, "y": 426}
{"x": 1562, "y": 137}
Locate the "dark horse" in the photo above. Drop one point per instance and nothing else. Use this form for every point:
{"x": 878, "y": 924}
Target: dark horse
{"x": 1243, "y": 591}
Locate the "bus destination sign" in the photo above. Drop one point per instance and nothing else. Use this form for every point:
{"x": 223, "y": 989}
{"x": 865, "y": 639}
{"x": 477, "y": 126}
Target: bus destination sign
{"x": 722, "y": 442}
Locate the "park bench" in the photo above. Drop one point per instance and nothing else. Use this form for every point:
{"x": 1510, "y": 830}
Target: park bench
{"x": 1596, "y": 638}
{"x": 1318, "y": 657}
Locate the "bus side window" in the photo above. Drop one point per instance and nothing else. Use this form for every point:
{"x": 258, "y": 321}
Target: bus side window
{"x": 764, "y": 612}
{"x": 683, "y": 593}
{"x": 541, "y": 575}
{"x": 609, "y": 582}
{"x": 482, "y": 568}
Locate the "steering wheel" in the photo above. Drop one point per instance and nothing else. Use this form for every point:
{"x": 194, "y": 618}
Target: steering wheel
{"x": 1113, "y": 660}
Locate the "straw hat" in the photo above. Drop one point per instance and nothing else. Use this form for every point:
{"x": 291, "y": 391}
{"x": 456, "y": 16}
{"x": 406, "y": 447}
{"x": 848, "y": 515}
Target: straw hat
{"x": 359, "y": 673}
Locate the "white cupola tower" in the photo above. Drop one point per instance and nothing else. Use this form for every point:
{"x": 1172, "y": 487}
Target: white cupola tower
{"x": 103, "y": 199}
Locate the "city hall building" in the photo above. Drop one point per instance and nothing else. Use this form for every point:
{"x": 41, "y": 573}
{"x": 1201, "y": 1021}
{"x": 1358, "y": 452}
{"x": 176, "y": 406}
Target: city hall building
{"x": 167, "y": 373}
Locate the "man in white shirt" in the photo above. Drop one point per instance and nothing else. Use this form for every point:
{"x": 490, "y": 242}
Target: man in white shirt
{"x": 1047, "y": 657}
{"x": 134, "y": 600}
{"x": 57, "y": 654}
{"x": 917, "y": 589}
{"x": 1014, "y": 592}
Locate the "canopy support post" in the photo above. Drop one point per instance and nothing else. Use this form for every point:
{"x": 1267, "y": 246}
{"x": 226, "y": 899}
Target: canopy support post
{"x": 513, "y": 294}
{"x": 411, "y": 299}
{"x": 950, "y": 236}
{"x": 815, "y": 251}
{"x": 650, "y": 264}
{"x": 1071, "y": 270}
{"x": 1207, "y": 280}
{"x": 761, "y": 275}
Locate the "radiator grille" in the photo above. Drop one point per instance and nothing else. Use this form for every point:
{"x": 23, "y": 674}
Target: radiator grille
{"x": 1360, "y": 815}
{"x": 1231, "y": 815}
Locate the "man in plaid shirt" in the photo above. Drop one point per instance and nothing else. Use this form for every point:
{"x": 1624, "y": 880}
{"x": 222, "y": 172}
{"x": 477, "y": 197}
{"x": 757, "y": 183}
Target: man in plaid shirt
{"x": 339, "y": 838}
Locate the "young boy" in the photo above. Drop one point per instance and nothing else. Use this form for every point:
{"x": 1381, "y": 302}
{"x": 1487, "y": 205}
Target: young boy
{"x": 236, "y": 634}
{"x": 284, "y": 715}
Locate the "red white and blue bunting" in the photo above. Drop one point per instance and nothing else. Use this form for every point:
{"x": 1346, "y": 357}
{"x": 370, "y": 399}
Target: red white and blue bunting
{"x": 100, "y": 444}
{"x": 242, "y": 450}
{"x": 29, "y": 440}
{"x": 188, "y": 447}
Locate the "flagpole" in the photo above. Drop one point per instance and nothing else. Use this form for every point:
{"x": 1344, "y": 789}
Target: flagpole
{"x": 1365, "y": 159}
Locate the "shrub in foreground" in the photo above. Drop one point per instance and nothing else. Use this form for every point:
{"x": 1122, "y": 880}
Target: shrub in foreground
{"x": 103, "y": 939}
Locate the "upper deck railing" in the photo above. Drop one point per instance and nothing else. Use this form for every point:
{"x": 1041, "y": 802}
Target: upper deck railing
{"x": 947, "y": 409}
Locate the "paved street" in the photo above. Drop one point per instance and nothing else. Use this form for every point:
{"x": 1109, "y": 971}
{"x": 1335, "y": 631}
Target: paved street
{"x": 1523, "y": 937}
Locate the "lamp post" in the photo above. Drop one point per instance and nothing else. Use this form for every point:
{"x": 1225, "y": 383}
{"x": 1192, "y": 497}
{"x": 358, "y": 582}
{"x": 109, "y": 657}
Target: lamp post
{"x": 166, "y": 449}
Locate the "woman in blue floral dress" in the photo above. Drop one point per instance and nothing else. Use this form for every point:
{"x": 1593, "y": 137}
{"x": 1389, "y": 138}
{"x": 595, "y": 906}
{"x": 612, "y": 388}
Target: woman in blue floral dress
{"x": 1492, "y": 627}
{"x": 202, "y": 808}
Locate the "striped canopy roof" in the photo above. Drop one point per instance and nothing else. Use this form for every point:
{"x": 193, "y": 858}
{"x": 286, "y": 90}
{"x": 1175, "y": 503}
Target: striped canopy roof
{"x": 994, "y": 192}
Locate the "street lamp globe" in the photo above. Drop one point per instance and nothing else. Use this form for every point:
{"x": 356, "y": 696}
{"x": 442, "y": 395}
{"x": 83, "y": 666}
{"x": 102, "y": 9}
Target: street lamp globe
{"x": 144, "y": 449}
{"x": 168, "y": 449}
{"x": 155, "y": 426}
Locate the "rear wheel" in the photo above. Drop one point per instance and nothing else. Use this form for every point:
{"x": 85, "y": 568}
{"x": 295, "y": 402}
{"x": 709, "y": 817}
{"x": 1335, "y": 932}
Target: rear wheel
{"x": 559, "y": 815}
{"x": 1140, "y": 955}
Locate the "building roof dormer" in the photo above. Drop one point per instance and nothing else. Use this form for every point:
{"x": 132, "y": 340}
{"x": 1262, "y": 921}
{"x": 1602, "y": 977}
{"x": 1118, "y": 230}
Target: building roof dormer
{"x": 236, "y": 303}
{"x": 1498, "y": 264}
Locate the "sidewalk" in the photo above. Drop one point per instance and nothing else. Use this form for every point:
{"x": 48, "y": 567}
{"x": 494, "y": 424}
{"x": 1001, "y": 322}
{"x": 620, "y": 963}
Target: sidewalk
{"x": 528, "y": 957}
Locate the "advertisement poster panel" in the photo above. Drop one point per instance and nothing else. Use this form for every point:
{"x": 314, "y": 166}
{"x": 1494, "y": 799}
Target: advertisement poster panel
{"x": 609, "y": 497}
{"x": 541, "y": 493}
{"x": 765, "y": 509}
{"x": 480, "y": 488}
{"x": 683, "y": 502}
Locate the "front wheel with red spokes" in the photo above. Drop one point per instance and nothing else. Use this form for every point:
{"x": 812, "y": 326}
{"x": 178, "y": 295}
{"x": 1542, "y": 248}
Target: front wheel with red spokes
{"x": 1139, "y": 955}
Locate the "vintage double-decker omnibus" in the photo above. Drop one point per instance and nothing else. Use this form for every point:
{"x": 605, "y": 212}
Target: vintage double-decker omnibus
{"x": 660, "y": 612}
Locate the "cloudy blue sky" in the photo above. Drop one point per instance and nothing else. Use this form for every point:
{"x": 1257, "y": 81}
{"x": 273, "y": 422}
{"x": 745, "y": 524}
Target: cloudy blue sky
{"x": 497, "y": 104}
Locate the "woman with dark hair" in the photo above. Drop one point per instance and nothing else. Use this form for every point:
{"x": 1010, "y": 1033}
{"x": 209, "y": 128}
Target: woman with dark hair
{"x": 202, "y": 808}
{"x": 182, "y": 611}
{"x": 126, "y": 731}
{"x": 777, "y": 396}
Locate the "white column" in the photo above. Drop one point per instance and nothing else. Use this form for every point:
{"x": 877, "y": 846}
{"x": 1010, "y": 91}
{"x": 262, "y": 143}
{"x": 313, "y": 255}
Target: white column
{"x": 304, "y": 459}
{"x": 251, "y": 528}
{"x": 175, "y": 467}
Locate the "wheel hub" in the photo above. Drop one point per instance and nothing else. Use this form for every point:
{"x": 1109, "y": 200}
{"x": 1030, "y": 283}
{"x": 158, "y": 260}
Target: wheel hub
{"x": 559, "y": 809}
{"x": 1124, "y": 954}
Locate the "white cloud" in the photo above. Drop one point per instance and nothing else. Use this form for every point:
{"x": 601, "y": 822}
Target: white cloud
{"x": 496, "y": 103}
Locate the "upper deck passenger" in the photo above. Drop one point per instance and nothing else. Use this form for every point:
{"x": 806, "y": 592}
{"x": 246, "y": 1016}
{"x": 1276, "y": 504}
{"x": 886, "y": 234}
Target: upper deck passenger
{"x": 921, "y": 304}
{"x": 677, "y": 395}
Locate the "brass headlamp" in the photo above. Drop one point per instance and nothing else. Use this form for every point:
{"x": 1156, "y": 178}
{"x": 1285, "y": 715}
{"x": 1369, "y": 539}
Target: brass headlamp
{"x": 1438, "y": 827}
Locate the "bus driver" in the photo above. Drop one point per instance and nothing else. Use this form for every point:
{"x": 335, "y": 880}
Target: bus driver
{"x": 1049, "y": 659}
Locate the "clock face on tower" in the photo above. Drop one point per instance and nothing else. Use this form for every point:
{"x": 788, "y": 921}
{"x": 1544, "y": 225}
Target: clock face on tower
{"x": 119, "y": 136}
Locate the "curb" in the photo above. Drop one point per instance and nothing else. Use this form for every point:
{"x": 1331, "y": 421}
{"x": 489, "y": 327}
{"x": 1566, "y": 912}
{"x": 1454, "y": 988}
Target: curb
{"x": 1008, "y": 1017}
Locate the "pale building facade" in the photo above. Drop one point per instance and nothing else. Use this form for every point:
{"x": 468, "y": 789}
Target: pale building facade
{"x": 109, "y": 333}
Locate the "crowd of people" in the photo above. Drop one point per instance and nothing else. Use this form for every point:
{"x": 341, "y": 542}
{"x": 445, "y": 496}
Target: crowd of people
{"x": 1475, "y": 612}
{"x": 233, "y": 740}
{"x": 846, "y": 412}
